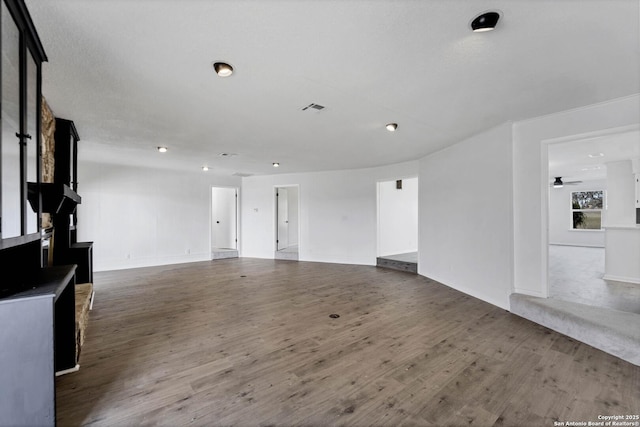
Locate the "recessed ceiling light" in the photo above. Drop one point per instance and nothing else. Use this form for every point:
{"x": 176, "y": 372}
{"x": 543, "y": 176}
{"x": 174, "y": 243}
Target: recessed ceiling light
{"x": 486, "y": 21}
{"x": 162, "y": 149}
{"x": 223, "y": 69}
{"x": 392, "y": 127}
{"x": 205, "y": 168}
{"x": 276, "y": 165}
{"x": 596, "y": 155}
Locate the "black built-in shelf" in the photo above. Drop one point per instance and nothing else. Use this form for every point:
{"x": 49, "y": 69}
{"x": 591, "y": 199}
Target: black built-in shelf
{"x": 55, "y": 198}
{"x": 64, "y": 199}
{"x": 37, "y": 305}
{"x": 66, "y": 154}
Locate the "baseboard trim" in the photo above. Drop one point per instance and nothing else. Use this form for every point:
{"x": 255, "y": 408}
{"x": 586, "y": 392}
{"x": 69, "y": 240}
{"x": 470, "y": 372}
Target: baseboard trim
{"x": 529, "y": 293}
{"x": 576, "y": 245}
{"x": 634, "y": 280}
{"x": 68, "y": 371}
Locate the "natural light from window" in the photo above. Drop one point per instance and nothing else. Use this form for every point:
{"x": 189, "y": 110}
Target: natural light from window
{"x": 586, "y": 210}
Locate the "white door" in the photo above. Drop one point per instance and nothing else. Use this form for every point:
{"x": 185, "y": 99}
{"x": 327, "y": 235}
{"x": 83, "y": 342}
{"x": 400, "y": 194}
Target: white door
{"x": 282, "y": 197}
{"x": 223, "y": 218}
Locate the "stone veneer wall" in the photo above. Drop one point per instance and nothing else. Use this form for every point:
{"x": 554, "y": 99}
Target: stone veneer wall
{"x": 48, "y": 148}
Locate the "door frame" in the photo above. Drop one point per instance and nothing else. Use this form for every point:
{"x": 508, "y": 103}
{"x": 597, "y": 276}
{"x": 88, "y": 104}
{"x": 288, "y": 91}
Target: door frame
{"x": 378, "y": 222}
{"x": 546, "y": 192}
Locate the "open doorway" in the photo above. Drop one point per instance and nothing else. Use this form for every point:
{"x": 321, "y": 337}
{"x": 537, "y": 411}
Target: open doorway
{"x": 590, "y": 205}
{"x": 287, "y": 222}
{"x": 398, "y": 224}
{"x": 224, "y": 222}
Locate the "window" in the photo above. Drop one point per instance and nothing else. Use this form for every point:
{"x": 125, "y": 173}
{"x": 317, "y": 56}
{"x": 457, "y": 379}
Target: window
{"x": 586, "y": 209}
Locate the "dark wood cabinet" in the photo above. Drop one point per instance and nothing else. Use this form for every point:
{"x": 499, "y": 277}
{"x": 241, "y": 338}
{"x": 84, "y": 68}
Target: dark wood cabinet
{"x": 39, "y": 339}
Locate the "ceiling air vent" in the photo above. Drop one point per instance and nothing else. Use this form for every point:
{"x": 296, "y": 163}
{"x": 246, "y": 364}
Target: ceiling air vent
{"x": 317, "y": 107}
{"x": 242, "y": 175}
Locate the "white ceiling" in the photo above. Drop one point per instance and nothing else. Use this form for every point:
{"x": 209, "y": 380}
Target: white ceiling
{"x": 136, "y": 74}
{"x": 586, "y": 159}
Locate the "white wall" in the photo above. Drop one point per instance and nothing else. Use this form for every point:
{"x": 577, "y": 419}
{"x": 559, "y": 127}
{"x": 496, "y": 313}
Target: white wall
{"x": 483, "y": 208}
{"x": 621, "y": 197}
{"x": 622, "y": 254}
{"x": 561, "y": 217}
{"x": 622, "y": 260}
{"x": 337, "y": 213}
{"x": 530, "y": 179}
{"x": 142, "y": 216}
{"x": 397, "y": 217}
{"x": 466, "y": 216}
{"x": 292, "y": 214}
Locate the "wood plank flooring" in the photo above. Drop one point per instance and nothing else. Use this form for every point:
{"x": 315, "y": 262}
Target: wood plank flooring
{"x": 249, "y": 342}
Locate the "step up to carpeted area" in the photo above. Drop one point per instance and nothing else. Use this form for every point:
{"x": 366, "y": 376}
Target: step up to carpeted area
{"x": 286, "y": 255}
{"x": 223, "y": 253}
{"x": 410, "y": 267}
{"x": 612, "y": 331}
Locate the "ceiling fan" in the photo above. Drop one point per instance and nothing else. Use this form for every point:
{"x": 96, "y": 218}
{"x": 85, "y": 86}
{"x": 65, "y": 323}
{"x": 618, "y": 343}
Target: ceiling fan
{"x": 558, "y": 183}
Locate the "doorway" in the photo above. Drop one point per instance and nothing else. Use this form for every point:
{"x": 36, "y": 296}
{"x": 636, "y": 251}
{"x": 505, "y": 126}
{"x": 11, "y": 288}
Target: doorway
{"x": 287, "y": 222}
{"x": 398, "y": 224}
{"x": 590, "y": 195}
{"x": 224, "y": 222}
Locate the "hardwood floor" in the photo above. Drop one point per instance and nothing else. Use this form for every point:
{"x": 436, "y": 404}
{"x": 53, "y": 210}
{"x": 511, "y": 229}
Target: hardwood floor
{"x": 249, "y": 342}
